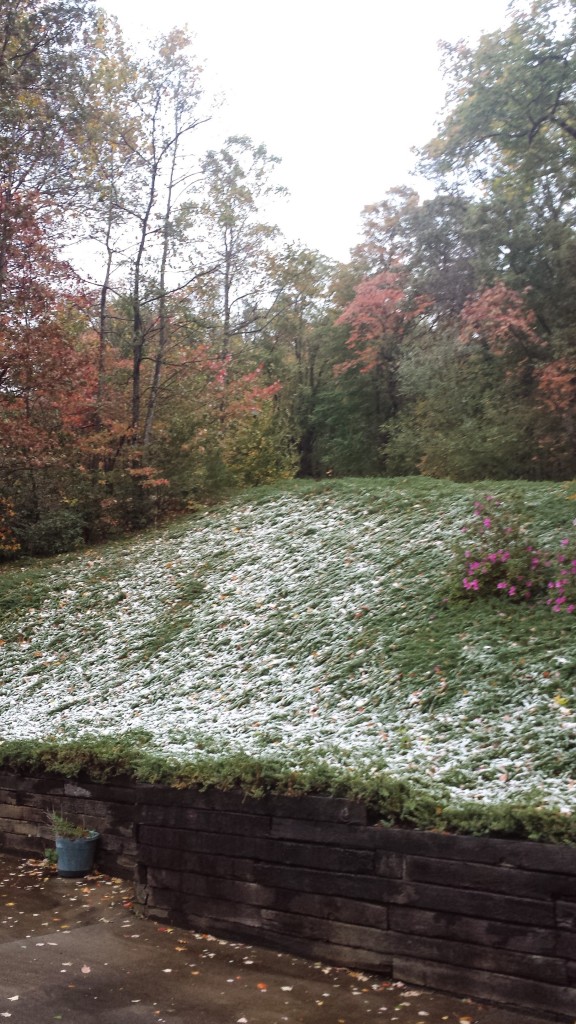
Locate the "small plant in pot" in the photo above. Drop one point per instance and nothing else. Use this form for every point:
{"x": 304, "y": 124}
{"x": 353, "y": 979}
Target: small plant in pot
{"x": 75, "y": 846}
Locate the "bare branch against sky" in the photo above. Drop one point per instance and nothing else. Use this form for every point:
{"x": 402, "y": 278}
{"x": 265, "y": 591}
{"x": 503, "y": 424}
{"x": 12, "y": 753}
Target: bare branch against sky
{"x": 342, "y": 93}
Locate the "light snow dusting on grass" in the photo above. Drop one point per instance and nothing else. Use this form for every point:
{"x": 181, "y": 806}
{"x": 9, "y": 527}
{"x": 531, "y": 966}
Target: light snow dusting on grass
{"x": 310, "y": 624}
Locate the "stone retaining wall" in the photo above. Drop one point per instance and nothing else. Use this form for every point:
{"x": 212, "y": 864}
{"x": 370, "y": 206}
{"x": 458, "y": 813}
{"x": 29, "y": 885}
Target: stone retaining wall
{"x": 491, "y": 919}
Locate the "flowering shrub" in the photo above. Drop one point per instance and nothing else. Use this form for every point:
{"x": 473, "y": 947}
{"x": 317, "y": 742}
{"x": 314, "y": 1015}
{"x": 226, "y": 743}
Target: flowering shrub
{"x": 496, "y": 558}
{"x": 561, "y": 585}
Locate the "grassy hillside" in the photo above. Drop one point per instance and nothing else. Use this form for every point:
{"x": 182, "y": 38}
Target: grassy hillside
{"x": 299, "y": 638}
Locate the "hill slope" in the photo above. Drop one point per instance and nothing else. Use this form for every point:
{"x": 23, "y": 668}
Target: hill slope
{"x": 304, "y": 628}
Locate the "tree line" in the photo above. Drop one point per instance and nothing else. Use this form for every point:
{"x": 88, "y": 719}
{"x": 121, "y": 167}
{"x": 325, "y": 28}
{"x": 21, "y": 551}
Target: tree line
{"x": 202, "y": 350}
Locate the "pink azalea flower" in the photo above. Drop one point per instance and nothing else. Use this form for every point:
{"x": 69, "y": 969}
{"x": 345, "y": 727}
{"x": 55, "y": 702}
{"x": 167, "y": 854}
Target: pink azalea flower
{"x": 470, "y": 584}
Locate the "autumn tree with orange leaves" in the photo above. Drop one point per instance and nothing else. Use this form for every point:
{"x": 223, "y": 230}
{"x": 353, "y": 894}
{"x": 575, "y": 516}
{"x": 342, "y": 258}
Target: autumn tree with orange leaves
{"x": 47, "y": 386}
{"x": 380, "y": 318}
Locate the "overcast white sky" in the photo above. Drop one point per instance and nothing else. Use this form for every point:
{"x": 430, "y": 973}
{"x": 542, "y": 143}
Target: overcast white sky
{"x": 340, "y": 91}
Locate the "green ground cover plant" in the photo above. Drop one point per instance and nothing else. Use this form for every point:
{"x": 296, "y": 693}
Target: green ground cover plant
{"x": 314, "y": 637}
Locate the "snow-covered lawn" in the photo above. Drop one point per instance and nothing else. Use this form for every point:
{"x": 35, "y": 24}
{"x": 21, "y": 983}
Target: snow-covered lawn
{"x": 309, "y": 623}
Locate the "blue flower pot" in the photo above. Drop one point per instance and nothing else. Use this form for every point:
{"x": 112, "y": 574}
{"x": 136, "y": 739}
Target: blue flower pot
{"x": 76, "y": 856}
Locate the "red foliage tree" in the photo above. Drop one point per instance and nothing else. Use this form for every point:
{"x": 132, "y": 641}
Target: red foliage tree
{"x": 47, "y": 380}
{"x": 556, "y": 397}
{"x": 381, "y": 315}
{"x": 557, "y": 385}
{"x": 499, "y": 320}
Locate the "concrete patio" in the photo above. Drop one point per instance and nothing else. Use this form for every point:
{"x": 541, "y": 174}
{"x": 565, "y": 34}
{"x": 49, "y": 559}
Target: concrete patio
{"x": 73, "y": 951}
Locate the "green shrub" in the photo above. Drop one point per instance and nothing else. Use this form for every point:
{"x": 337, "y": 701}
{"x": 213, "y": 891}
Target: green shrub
{"x": 54, "y": 532}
